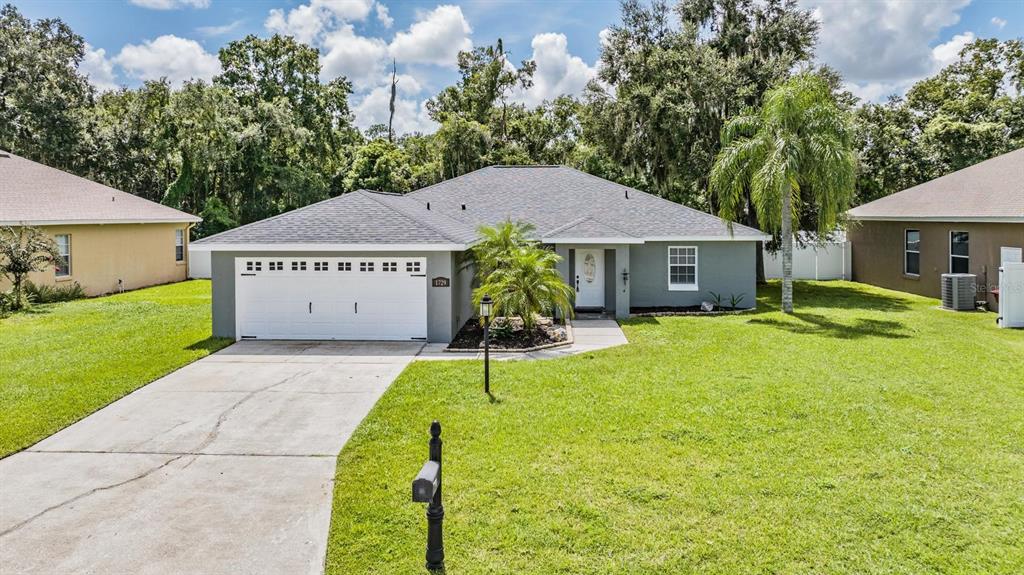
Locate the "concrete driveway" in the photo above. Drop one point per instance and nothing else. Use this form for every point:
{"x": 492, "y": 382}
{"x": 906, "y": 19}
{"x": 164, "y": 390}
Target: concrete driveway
{"x": 224, "y": 466}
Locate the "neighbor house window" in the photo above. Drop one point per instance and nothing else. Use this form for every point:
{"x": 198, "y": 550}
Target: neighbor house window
{"x": 682, "y": 268}
{"x": 912, "y": 252}
{"x": 959, "y": 260}
{"x": 63, "y": 263}
{"x": 179, "y": 245}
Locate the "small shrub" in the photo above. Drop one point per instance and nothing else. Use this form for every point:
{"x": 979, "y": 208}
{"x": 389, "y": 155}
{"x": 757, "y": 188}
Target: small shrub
{"x": 717, "y": 298}
{"x": 8, "y": 303}
{"x": 53, "y": 294}
{"x": 501, "y": 329}
{"x": 736, "y": 300}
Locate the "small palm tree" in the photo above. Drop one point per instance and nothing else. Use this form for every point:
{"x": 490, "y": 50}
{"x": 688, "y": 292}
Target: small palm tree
{"x": 527, "y": 284}
{"x": 797, "y": 145}
{"x": 498, "y": 245}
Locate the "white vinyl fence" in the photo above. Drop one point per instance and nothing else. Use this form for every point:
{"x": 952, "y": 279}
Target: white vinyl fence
{"x": 831, "y": 261}
{"x": 198, "y": 263}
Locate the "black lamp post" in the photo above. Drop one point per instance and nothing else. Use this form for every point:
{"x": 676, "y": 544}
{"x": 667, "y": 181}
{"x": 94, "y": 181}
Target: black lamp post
{"x": 486, "y": 306}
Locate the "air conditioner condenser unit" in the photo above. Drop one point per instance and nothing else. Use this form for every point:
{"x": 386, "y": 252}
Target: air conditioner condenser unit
{"x": 958, "y": 291}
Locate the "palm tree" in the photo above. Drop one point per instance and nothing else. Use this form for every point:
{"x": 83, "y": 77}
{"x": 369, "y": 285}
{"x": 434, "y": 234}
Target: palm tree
{"x": 498, "y": 244}
{"x": 797, "y": 146}
{"x": 527, "y": 284}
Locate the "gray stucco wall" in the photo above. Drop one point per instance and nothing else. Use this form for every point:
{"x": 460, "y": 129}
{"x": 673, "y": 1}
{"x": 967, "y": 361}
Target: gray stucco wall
{"x": 609, "y": 280}
{"x": 462, "y": 293}
{"x": 440, "y": 319}
{"x": 726, "y": 268}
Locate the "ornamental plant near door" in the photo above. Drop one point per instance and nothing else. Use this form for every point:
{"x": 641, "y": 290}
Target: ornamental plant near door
{"x": 519, "y": 275}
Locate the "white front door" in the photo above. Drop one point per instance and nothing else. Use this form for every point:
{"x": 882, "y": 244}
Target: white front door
{"x": 317, "y": 297}
{"x": 589, "y": 278}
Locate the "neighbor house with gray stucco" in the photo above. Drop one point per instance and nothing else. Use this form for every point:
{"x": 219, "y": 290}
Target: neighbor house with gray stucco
{"x": 371, "y": 265}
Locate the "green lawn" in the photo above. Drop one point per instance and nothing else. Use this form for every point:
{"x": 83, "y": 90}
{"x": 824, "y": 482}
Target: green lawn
{"x": 869, "y": 433}
{"x": 61, "y": 362}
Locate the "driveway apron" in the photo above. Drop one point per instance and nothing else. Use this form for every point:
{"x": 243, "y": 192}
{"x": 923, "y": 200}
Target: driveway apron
{"x": 224, "y": 466}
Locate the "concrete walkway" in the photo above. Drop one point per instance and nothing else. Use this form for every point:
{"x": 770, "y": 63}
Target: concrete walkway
{"x": 225, "y": 466}
{"x": 589, "y": 334}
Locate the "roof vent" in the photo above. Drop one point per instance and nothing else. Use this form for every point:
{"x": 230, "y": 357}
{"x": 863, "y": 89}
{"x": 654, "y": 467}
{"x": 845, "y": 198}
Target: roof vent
{"x": 627, "y": 194}
{"x": 4, "y": 155}
{"x": 463, "y": 207}
{"x": 428, "y": 205}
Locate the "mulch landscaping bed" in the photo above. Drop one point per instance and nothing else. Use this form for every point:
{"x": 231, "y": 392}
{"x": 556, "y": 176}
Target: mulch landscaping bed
{"x": 471, "y": 337}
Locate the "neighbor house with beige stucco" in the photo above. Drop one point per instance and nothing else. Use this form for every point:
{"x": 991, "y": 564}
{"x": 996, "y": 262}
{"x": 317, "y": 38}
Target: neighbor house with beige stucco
{"x": 108, "y": 240}
{"x": 970, "y": 221}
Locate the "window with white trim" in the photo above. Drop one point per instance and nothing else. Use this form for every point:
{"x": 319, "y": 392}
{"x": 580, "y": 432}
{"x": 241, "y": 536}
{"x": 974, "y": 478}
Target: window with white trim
{"x": 682, "y": 268}
{"x": 959, "y": 254}
{"x": 63, "y": 263}
{"x": 276, "y": 266}
{"x": 298, "y": 266}
{"x": 389, "y": 266}
{"x": 344, "y": 266}
{"x": 253, "y": 266}
{"x": 912, "y": 252}
{"x": 366, "y": 266}
{"x": 320, "y": 266}
{"x": 179, "y": 245}
{"x": 412, "y": 267}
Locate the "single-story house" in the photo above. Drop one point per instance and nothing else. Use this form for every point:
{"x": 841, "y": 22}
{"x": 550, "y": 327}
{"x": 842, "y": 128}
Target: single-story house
{"x": 370, "y": 265}
{"x": 969, "y": 221}
{"x": 108, "y": 240}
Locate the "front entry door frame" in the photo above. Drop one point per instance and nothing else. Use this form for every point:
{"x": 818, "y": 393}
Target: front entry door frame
{"x": 589, "y": 278}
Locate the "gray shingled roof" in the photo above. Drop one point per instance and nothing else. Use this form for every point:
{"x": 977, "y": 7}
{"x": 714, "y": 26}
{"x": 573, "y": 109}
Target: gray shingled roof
{"x": 560, "y": 202}
{"x": 588, "y": 227}
{"x": 549, "y": 197}
{"x": 360, "y": 217}
{"x": 33, "y": 193}
{"x": 990, "y": 190}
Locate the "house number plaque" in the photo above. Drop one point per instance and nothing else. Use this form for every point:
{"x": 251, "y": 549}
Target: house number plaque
{"x": 440, "y": 282}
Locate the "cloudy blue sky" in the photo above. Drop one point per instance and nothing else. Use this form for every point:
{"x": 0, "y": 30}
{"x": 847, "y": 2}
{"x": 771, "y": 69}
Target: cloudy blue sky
{"x": 880, "y": 46}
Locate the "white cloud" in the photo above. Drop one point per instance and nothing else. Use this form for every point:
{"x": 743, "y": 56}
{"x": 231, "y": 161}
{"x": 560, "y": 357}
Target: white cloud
{"x": 383, "y": 16}
{"x": 558, "y": 72}
{"x": 604, "y": 36}
{"x": 410, "y": 114}
{"x": 883, "y": 46}
{"x": 177, "y": 59}
{"x": 945, "y": 54}
{"x": 171, "y": 4}
{"x": 308, "y": 21}
{"x": 436, "y": 37}
{"x": 882, "y": 41}
{"x": 219, "y": 30}
{"x": 998, "y": 22}
{"x": 359, "y": 58}
{"x": 98, "y": 68}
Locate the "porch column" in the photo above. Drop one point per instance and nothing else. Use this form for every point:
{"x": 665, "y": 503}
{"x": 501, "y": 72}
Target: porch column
{"x": 621, "y": 288}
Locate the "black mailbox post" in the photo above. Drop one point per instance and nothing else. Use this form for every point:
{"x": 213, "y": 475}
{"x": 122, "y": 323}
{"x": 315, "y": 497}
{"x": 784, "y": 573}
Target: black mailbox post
{"x": 426, "y": 488}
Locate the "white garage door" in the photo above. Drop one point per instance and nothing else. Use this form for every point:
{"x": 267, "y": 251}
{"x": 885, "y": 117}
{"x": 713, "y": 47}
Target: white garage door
{"x": 331, "y": 298}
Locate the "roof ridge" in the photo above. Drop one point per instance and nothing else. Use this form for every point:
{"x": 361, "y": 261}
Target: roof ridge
{"x": 415, "y": 218}
{"x": 582, "y": 219}
{"x": 271, "y": 218}
{"x": 449, "y": 180}
{"x": 729, "y": 223}
{"x": 571, "y": 223}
